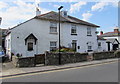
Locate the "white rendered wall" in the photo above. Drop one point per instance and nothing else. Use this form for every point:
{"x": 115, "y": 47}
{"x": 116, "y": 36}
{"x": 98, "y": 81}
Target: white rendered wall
{"x": 41, "y": 30}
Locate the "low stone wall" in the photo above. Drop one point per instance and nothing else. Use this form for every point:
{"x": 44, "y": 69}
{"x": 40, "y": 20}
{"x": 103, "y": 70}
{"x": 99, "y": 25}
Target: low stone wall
{"x": 103, "y": 55}
{"x": 24, "y": 61}
{"x": 40, "y": 59}
{"x": 53, "y": 58}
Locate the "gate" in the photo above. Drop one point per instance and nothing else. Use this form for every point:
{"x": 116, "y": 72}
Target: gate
{"x": 40, "y": 59}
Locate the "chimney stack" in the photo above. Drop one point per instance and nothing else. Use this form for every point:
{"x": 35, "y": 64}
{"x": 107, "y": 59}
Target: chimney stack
{"x": 116, "y": 30}
{"x": 38, "y": 12}
{"x": 101, "y": 32}
{"x": 64, "y": 13}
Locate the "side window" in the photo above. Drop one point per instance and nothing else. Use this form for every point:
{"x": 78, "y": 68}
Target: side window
{"x": 30, "y": 46}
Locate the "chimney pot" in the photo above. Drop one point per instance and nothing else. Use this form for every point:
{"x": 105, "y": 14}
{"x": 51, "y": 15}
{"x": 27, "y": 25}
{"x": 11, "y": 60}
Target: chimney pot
{"x": 101, "y": 32}
{"x": 38, "y": 12}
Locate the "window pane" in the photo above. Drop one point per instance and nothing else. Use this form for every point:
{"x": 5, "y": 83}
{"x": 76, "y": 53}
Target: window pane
{"x": 53, "y": 29}
{"x": 53, "y": 46}
{"x": 73, "y": 29}
{"x": 89, "y": 47}
{"x": 88, "y": 31}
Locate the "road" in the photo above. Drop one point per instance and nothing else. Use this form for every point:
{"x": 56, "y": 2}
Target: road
{"x": 98, "y": 73}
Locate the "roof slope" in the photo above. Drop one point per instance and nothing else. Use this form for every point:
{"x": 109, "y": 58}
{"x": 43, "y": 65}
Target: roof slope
{"x": 54, "y": 16}
{"x": 110, "y": 34}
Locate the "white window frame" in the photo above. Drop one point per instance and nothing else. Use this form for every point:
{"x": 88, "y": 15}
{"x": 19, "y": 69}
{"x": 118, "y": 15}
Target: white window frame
{"x": 54, "y": 46}
{"x": 73, "y": 29}
{"x": 53, "y": 27}
{"x": 89, "y": 32}
{"x": 89, "y": 47}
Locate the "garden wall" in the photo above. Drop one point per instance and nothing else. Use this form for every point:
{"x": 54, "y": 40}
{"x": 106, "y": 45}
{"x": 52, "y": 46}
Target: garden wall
{"x": 53, "y": 58}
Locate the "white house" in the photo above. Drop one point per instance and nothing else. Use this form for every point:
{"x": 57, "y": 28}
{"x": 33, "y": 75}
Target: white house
{"x": 102, "y": 45}
{"x": 112, "y": 39}
{"x": 40, "y": 34}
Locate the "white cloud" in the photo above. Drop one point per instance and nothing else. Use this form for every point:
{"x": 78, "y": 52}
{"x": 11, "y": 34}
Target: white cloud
{"x": 76, "y": 7}
{"x": 56, "y": 6}
{"x": 3, "y": 5}
{"x": 115, "y": 4}
{"x": 86, "y": 16}
{"x": 99, "y": 6}
{"x": 19, "y": 12}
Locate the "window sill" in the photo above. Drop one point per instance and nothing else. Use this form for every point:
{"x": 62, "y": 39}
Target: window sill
{"x": 53, "y": 33}
{"x": 73, "y": 34}
{"x": 89, "y": 35}
{"x": 89, "y": 50}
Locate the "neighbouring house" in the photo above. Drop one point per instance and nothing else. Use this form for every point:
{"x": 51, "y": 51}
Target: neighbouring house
{"x": 112, "y": 39}
{"x": 2, "y": 37}
{"x": 40, "y": 34}
{"x": 102, "y": 46}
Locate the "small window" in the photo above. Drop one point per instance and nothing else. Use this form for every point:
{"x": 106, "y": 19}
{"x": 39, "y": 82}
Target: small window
{"x": 53, "y": 27}
{"x": 89, "y": 47}
{"x": 99, "y": 44}
{"x": 53, "y": 45}
{"x": 73, "y": 30}
{"x": 88, "y": 31}
{"x": 30, "y": 46}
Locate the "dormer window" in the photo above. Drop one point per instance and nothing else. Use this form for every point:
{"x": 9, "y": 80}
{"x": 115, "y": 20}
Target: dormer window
{"x": 53, "y": 27}
{"x": 73, "y": 30}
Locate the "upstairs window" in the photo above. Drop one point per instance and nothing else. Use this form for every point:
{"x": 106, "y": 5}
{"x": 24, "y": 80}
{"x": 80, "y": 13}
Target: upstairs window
{"x": 73, "y": 30}
{"x": 53, "y": 45}
{"x": 88, "y": 31}
{"x": 53, "y": 27}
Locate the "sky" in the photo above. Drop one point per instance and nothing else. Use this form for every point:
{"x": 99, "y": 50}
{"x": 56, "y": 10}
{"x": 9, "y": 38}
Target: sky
{"x": 102, "y": 13}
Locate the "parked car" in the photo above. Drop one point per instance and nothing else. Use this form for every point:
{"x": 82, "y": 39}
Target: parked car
{"x": 2, "y": 55}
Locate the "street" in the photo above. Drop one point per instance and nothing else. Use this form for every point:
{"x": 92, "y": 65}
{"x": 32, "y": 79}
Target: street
{"x": 107, "y": 72}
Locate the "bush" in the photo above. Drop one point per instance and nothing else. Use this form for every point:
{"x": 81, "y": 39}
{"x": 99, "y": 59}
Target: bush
{"x": 65, "y": 50}
{"x": 117, "y": 53}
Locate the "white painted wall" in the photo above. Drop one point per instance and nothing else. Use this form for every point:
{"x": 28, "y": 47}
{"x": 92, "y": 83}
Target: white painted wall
{"x": 103, "y": 46}
{"x": 41, "y": 30}
{"x": 115, "y": 37}
{"x": 8, "y": 45}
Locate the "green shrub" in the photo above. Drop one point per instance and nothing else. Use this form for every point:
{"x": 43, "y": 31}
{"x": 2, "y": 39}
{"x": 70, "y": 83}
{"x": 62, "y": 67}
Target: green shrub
{"x": 64, "y": 50}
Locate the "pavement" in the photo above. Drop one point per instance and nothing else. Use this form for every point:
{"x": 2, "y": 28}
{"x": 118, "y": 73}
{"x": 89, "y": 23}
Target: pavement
{"x": 8, "y": 69}
{"x": 105, "y": 72}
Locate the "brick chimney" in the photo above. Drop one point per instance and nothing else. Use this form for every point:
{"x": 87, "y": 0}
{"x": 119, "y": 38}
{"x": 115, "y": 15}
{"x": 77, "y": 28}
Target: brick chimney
{"x": 116, "y": 30}
{"x": 101, "y": 32}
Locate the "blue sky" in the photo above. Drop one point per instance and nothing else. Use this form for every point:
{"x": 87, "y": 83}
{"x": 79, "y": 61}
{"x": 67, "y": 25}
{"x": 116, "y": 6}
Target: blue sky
{"x": 104, "y": 14}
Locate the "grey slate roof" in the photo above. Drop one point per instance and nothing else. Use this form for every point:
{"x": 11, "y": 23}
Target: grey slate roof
{"x": 54, "y": 16}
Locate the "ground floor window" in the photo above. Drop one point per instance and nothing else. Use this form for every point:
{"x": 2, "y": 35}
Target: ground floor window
{"x": 89, "y": 48}
{"x": 53, "y": 45}
{"x": 30, "y": 46}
